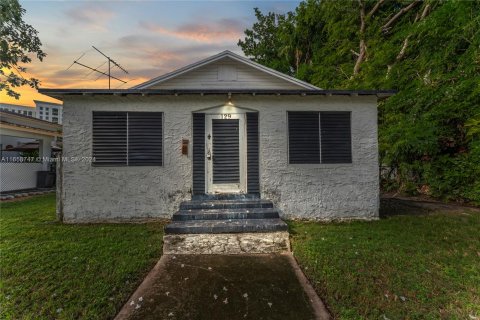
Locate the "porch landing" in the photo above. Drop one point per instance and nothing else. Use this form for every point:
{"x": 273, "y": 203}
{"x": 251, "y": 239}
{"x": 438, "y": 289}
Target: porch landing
{"x": 226, "y": 224}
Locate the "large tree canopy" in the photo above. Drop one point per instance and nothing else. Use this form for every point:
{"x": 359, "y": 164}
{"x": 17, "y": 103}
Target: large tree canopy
{"x": 18, "y": 42}
{"x": 428, "y": 50}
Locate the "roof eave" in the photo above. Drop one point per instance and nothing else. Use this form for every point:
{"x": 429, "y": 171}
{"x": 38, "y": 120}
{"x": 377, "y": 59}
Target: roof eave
{"x": 61, "y": 93}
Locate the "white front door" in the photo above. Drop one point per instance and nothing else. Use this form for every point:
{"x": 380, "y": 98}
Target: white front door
{"x": 225, "y": 141}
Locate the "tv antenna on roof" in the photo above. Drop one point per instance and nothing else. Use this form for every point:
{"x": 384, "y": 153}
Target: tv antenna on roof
{"x": 110, "y": 63}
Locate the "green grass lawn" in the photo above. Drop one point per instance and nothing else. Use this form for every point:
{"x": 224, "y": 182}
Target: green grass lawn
{"x": 55, "y": 271}
{"x": 404, "y": 267}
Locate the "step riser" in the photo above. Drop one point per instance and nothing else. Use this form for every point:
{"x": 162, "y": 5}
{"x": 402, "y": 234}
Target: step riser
{"x": 224, "y": 216}
{"x": 216, "y": 206}
{"x": 228, "y": 196}
{"x": 172, "y": 229}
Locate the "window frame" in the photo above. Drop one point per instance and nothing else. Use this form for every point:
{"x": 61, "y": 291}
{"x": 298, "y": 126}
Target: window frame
{"x": 127, "y": 165}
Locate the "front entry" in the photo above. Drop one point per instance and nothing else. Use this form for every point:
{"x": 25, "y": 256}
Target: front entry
{"x": 225, "y": 143}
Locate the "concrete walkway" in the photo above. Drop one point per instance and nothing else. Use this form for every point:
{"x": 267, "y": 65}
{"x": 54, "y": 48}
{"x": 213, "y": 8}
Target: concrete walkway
{"x": 225, "y": 287}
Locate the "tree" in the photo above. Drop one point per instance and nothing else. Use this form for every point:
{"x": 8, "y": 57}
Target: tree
{"x": 429, "y": 132}
{"x": 18, "y": 42}
{"x": 263, "y": 42}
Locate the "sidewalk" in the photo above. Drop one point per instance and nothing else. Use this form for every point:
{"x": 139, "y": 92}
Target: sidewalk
{"x": 224, "y": 287}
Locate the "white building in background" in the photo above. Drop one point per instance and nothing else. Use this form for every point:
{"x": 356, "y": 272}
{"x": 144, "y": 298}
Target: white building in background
{"x": 23, "y": 110}
{"x": 48, "y": 111}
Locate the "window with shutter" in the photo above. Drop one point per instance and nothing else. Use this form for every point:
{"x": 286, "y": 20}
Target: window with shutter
{"x": 303, "y": 137}
{"x": 127, "y": 138}
{"x": 319, "y": 137}
{"x": 145, "y": 139}
{"x": 336, "y": 138}
{"x": 109, "y": 143}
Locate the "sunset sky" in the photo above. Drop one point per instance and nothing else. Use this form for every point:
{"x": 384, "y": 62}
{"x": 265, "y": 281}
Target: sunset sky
{"x": 148, "y": 38}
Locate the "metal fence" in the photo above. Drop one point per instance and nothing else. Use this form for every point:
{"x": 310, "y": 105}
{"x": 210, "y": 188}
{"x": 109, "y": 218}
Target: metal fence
{"x": 18, "y": 176}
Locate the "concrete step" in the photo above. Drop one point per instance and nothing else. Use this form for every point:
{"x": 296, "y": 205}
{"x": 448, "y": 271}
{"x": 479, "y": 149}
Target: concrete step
{"x": 227, "y": 243}
{"x": 226, "y": 196}
{"x": 225, "y": 214}
{"x": 225, "y": 226}
{"x": 224, "y": 204}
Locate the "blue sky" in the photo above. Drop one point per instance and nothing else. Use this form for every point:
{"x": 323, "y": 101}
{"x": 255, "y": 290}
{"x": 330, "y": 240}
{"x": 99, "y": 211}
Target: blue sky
{"x": 148, "y": 38}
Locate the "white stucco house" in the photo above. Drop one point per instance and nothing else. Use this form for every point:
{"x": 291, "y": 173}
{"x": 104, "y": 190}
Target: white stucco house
{"x": 222, "y": 125}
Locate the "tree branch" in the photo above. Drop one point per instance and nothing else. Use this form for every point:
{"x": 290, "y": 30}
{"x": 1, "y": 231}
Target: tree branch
{"x": 425, "y": 12}
{"x": 404, "y": 48}
{"x": 363, "y": 46}
{"x": 418, "y": 18}
{"x": 375, "y": 8}
{"x": 386, "y": 26}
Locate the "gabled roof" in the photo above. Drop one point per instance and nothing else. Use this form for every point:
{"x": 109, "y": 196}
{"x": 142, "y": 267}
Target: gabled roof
{"x": 222, "y": 55}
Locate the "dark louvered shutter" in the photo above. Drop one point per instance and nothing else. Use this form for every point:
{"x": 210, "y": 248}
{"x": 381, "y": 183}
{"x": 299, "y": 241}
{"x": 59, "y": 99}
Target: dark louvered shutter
{"x": 303, "y": 137}
{"x": 336, "y": 137}
{"x": 252, "y": 153}
{"x": 198, "y": 133}
{"x": 109, "y": 145}
{"x": 225, "y": 151}
{"x": 145, "y": 139}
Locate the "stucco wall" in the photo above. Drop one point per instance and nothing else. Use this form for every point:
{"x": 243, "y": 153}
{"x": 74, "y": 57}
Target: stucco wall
{"x": 301, "y": 191}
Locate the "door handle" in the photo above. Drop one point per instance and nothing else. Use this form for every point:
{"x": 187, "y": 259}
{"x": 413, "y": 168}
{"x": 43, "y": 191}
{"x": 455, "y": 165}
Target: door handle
{"x": 209, "y": 155}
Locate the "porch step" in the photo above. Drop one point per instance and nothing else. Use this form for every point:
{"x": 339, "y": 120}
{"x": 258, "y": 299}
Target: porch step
{"x": 225, "y": 204}
{"x": 226, "y": 214}
{"x": 226, "y": 196}
{"x": 226, "y": 226}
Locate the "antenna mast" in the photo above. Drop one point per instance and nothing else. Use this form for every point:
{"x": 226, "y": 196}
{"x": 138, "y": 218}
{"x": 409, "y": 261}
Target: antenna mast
{"x": 110, "y": 62}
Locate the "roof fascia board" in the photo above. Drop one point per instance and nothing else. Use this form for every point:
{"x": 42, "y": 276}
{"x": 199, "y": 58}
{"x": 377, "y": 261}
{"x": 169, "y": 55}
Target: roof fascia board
{"x": 29, "y": 120}
{"x": 60, "y": 93}
{"x": 28, "y": 129}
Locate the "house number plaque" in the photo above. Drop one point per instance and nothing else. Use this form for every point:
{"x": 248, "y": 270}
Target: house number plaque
{"x": 226, "y": 116}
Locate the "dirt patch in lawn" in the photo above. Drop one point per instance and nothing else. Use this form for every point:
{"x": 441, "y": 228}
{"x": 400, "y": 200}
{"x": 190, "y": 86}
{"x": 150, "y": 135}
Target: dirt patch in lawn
{"x": 393, "y": 206}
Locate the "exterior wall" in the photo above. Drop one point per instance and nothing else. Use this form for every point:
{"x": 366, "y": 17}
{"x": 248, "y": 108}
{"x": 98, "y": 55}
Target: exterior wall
{"x": 226, "y": 73}
{"x": 324, "y": 191}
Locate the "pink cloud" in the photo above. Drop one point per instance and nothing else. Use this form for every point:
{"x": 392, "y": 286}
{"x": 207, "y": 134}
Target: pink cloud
{"x": 220, "y": 31}
{"x": 91, "y": 15}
